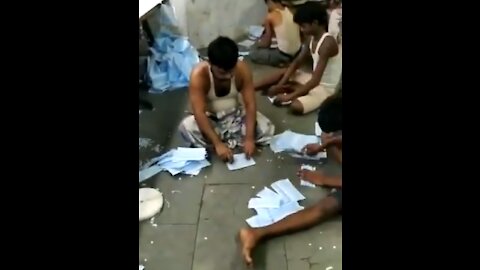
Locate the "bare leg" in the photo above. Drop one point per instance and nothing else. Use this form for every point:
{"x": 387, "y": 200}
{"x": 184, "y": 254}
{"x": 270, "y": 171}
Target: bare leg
{"x": 304, "y": 219}
{"x": 270, "y": 79}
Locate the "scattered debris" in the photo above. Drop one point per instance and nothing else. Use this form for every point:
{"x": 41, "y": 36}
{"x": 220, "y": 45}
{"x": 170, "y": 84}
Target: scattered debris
{"x": 144, "y": 142}
{"x": 189, "y": 161}
{"x": 145, "y": 260}
{"x": 179, "y": 178}
{"x": 310, "y": 244}
{"x": 334, "y": 247}
{"x": 205, "y": 238}
{"x": 329, "y": 268}
{"x": 253, "y": 187}
{"x": 168, "y": 203}
{"x": 320, "y": 248}
{"x": 157, "y": 148}
{"x": 211, "y": 190}
{"x": 141, "y": 267}
{"x": 154, "y": 225}
{"x": 176, "y": 191}
{"x": 151, "y": 242}
{"x": 272, "y": 206}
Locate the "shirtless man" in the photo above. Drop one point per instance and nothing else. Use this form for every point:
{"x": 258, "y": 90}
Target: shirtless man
{"x": 330, "y": 121}
{"x": 220, "y": 120}
{"x": 304, "y": 219}
{"x": 278, "y": 24}
{"x": 307, "y": 91}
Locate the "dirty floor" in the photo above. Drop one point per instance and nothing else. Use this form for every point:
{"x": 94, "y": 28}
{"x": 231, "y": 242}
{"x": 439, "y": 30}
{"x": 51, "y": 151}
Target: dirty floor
{"x": 201, "y": 215}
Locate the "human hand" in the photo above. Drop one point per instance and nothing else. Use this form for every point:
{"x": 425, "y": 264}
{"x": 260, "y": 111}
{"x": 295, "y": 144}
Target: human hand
{"x": 326, "y": 138}
{"x": 224, "y": 152}
{"x": 281, "y": 99}
{"x": 249, "y": 148}
{"x": 312, "y": 149}
{"x": 274, "y": 90}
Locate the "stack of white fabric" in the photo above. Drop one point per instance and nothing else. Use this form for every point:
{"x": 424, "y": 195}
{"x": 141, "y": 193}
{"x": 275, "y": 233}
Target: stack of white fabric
{"x": 274, "y": 205}
{"x": 293, "y": 143}
{"x": 181, "y": 160}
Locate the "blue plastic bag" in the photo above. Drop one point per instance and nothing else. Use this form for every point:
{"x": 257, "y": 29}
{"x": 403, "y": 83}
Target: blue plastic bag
{"x": 172, "y": 55}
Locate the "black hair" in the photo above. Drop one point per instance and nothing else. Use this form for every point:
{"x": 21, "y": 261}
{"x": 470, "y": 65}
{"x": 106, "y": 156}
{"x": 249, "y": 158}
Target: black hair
{"x": 310, "y": 12}
{"x": 223, "y": 53}
{"x": 275, "y": 1}
{"x": 330, "y": 114}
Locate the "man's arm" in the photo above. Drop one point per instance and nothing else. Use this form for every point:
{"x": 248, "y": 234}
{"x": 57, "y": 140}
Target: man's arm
{"x": 327, "y": 50}
{"x": 266, "y": 39}
{"x": 301, "y": 57}
{"x": 248, "y": 95}
{"x": 197, "y": 99}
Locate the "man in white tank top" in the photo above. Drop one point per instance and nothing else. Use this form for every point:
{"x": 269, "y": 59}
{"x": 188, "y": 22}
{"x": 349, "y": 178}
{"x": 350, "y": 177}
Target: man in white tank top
{"x": 307, "y": 91}
{"x": 217, "y": 90}
{"x": 279, "y": 24}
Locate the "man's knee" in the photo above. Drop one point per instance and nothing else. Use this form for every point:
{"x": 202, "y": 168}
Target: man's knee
{"x": 296, "y": 107}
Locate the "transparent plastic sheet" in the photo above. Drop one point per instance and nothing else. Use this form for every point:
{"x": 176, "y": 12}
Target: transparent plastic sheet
{"x": 172, "y": 55}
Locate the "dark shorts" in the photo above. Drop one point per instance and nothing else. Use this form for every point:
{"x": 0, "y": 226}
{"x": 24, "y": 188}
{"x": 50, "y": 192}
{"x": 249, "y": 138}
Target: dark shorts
{"x": 337, "y": 195}
{"x": 270, "y": 56}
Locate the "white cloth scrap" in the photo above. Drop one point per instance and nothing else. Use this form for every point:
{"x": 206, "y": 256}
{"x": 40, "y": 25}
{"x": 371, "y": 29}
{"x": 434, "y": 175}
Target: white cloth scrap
{"x": 181, "y": 160}
{"x": 290, "y": 141}
{"x": 273, "y": 206}
{"x": 306, "y": 183}
{"x": 240, "y": 161}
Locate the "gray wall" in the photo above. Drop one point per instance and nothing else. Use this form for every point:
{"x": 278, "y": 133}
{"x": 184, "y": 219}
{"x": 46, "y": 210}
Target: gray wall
{"x": 204, "y": 20}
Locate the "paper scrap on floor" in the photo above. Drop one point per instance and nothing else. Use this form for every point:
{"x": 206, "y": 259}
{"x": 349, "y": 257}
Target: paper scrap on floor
{"x": 240, "y": 161}
{"x": 308, "y": 157}
{"x": 272, "y": 99}
{"x": 141, "y": 267}
{"x": 306, "y": 183}
{"x": 255, "y": 31}
{"x": 272, "y": 206}
{"x": 181, "y": 160}
{"x": 144, "y": 142}
{"x": 318, "y": 130}
{"x": 293, "y": 143}
{"x": 247, "y": 43}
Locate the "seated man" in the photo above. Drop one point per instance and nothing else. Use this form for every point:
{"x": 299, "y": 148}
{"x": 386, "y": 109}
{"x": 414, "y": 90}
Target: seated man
{"x": 279, "y": 24}
{"x": 219, "y": 119}
{"x": 307, "y": 91}
{"x": 329, "y": 120}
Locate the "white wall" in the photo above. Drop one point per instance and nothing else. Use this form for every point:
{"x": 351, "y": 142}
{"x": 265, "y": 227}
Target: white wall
{"x": 204, "y": 20}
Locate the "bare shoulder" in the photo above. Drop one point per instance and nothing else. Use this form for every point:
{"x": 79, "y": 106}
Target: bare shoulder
{"x": 243, "y": 70}
{"x": 274, "y": 16}
{"x": 199, "y": 71}
{"x": 199, "y": 75}
{"x": 329, "y": 47}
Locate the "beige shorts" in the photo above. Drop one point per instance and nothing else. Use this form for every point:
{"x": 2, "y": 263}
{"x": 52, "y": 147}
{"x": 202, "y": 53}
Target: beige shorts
{"x": 316, "y": 96}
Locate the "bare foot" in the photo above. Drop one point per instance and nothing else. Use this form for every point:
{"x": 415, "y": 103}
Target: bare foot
{"x": 249, "y": 240}
{"x": 315, "y": 177}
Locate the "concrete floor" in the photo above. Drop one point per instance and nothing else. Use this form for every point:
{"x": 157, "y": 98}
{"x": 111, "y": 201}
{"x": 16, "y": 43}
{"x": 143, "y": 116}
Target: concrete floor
{"x": 197, "y": 226}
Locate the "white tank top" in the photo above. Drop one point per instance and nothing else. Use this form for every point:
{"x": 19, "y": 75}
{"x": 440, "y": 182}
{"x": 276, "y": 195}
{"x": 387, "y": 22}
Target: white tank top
{"x": 333, "y": 70}
{"x": 217, "y": 104}
{"x": 287, "y": 33}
